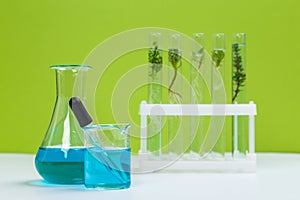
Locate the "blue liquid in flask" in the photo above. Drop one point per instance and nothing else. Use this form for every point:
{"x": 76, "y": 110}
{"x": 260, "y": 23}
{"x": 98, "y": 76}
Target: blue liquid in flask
{"x": 61, "y": 166}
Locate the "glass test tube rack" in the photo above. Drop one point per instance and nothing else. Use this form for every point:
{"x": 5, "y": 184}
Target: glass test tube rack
{"x": 144, "y": 163}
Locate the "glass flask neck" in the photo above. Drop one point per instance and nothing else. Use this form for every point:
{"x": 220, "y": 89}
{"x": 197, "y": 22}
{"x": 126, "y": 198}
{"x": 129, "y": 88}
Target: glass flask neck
{"x": 70, "y": 80}
{"x": 65, "y": 81}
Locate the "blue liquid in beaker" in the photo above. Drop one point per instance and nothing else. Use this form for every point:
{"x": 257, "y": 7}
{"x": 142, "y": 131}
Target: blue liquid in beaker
{"x": 61, "y": 166}
{"x": 107, "y": 169}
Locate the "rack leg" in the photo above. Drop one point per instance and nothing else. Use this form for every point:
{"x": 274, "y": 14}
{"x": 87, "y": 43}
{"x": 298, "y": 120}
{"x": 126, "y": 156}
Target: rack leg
{"x": 251, "y": 134}
{"x": 143, "y": 139}
{"x": 235, "y": 135}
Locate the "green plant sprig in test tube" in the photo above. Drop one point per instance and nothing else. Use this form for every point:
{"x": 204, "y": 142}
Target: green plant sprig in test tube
{"x": 218, "y": 56}
{"x": 175, "y": 60}
{"x": 155, "y": 58}
{"x": 239, "y": 75}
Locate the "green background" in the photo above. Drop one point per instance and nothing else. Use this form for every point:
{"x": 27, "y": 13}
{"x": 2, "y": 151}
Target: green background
{"x": 36, "y": 34}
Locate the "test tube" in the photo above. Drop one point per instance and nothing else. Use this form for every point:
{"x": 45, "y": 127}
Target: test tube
{"x": 218, "y": 136}
{"x": 175, "y": 133}
{"x": 197, "y": 95}
{"x": 239, "y": 78}
{"x": 155, "y": 59}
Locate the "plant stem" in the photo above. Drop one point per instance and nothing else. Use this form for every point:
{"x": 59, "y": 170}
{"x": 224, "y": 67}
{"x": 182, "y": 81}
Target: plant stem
{"x": 236, "y": 92}
{"x": 201, "y": 52}
{"x": 172, "y": 83}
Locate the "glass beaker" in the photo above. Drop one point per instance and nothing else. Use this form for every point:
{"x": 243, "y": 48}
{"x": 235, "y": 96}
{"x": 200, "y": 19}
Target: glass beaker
{"x": 61, "y": 155}
{"x": 107, "y": 156}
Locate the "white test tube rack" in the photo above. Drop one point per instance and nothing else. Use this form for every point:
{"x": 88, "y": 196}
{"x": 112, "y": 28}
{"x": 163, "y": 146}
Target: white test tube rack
{"x": 143, "y": 163}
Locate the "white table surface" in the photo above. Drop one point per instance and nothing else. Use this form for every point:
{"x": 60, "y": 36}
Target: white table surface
{"x": 277, "y": 177}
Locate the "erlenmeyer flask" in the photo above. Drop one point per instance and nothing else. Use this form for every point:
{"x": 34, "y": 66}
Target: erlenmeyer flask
{"x": 60, "y": 157}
